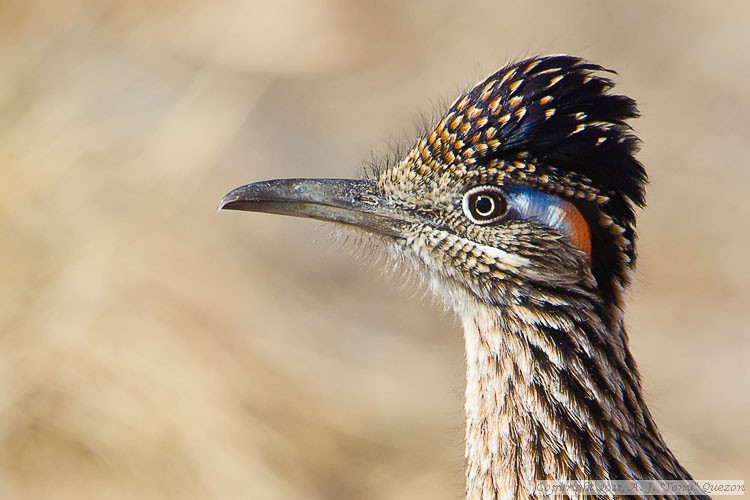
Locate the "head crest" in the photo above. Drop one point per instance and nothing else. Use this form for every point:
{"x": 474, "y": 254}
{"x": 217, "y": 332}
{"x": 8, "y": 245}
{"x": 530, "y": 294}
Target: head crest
{"x": 548, "y": 122}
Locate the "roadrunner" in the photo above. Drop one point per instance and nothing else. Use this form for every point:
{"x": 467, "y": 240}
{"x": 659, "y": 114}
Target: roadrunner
{"x": 517, "y": 209}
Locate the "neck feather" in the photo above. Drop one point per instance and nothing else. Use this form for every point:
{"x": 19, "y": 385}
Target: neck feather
{"x": 553, "y": 393}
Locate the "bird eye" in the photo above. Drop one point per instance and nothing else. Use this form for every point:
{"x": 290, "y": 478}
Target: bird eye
{"x": 485, "y": 204}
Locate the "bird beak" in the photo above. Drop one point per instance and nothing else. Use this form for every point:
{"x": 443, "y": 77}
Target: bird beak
{"x": 347, "y": 201}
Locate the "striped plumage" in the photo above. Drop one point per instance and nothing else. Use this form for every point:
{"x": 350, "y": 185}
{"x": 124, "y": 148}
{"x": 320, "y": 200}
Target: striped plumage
{"x": 518, "y": 210}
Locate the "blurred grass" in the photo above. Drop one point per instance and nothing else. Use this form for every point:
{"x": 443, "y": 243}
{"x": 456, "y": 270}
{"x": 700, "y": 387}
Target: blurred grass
{"x": 152, "y": 348}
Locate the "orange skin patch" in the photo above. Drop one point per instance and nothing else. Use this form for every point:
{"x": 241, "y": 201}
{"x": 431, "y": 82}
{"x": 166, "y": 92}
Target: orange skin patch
{"x": 580, "y": 235}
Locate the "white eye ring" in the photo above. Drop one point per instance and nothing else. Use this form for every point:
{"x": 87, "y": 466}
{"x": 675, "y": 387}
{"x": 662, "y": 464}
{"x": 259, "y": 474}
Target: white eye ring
{"x": 484, "y": 204}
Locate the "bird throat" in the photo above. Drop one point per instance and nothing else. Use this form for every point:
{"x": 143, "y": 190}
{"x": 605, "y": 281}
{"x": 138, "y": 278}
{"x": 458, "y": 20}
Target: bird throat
{"x": 541, "y": 408}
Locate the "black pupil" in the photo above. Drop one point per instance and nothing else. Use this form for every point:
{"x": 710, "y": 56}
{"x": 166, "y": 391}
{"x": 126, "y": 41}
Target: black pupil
{"x": 484, "y": 205}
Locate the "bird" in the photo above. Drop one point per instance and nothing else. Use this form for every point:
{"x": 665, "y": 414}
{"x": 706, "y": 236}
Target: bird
{"x": 517, "y": 208}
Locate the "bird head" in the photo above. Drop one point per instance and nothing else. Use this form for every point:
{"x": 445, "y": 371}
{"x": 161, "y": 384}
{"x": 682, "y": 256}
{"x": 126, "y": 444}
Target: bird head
{"x": 526, "y": 186}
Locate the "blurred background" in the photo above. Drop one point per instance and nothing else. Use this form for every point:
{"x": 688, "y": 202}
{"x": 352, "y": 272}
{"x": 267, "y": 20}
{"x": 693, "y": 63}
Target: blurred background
{"x": 152, "y": 348}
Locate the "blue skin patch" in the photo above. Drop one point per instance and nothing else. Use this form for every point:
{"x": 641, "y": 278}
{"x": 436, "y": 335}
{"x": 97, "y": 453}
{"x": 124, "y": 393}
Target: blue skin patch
{"x": 528, "y": 203}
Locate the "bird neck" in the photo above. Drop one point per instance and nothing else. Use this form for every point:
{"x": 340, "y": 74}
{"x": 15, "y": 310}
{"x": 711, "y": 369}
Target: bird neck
{"x": 553, "y": 393}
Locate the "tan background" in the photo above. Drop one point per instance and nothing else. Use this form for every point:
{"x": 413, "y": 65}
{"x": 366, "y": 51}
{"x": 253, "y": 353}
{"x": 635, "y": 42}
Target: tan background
{"x": 151, "y": 348}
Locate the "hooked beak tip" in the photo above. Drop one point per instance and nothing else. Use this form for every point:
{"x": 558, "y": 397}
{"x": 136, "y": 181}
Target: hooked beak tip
{"x": 226, "y": 202}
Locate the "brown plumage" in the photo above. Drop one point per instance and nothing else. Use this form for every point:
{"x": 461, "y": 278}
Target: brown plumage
{"x": 517, "y": 208}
